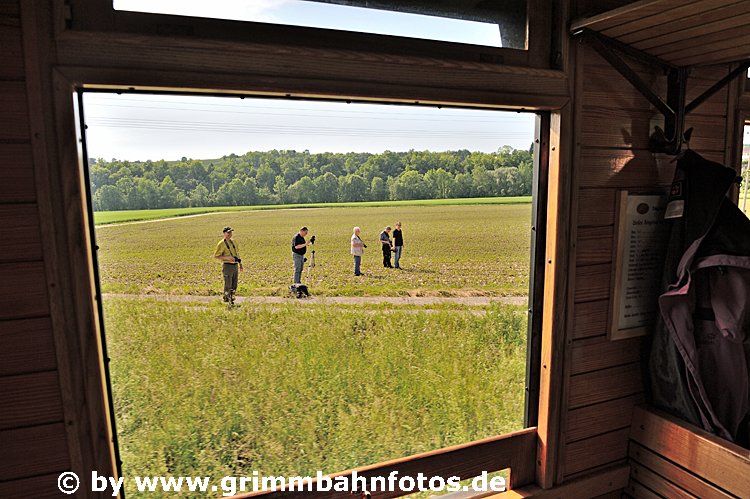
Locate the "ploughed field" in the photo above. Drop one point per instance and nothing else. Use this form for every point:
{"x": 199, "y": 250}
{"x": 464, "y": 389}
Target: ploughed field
{"x": 448, "y": 250}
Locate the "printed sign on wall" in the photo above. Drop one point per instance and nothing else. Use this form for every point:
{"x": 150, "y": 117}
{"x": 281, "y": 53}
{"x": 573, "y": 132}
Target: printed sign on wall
{"x": 641, "y": 236}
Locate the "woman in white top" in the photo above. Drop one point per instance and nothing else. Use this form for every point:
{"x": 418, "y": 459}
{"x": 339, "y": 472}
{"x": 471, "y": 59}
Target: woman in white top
{"x": 357, "y": 250}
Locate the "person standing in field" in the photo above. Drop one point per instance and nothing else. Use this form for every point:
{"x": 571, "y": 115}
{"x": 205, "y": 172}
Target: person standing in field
{"x": 398, "y": 245}
{"x": 299, "y": 248}
{"x": 357, "y": 250}
{"x": 385, "y": 242}
{"x": 228, "y": 252}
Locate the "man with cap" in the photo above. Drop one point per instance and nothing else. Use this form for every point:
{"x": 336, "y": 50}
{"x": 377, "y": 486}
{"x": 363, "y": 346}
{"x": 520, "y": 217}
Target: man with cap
{"x": 228, "y": 252}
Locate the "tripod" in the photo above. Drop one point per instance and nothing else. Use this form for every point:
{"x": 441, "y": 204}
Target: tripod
{"x": 312, "y": 260}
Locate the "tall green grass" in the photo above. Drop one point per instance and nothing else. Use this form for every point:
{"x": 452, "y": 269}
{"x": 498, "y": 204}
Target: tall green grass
{"x": 287, "y": 390}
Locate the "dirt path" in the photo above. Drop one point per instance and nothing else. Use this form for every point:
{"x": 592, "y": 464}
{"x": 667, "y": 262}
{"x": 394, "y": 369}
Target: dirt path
{"x": 153, "y": 220}
{"x": 343, "y": 300}
{"x": 180, "y": 217}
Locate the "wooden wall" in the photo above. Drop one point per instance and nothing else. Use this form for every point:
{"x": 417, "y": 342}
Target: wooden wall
{"x": 49, "y": 374}
{"x": 604, "y": 379}
{"x": 34, "y": 446}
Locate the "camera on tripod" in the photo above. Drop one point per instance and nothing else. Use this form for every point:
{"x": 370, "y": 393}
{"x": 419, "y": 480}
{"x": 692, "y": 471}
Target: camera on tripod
{"x": 312, "y": 240}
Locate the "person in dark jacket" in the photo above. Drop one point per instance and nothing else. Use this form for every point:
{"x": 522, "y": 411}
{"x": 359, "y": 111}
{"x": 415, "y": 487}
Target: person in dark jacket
{"x": 299, "y": 248}
{"x": 385, "y": 242}
{"x": 398, "y": 245}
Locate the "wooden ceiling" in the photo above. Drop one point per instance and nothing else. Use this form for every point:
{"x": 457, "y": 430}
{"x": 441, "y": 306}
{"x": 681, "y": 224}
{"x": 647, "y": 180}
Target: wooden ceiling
{"x": 681, "y": 32}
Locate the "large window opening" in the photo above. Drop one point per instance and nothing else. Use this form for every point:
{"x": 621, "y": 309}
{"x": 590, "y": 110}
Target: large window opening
{"x": 371, "y": 367}
{"x": 494, "y": 24}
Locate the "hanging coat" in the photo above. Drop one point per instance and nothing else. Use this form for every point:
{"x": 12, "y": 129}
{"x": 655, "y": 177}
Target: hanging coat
{"x": 700, "y": 357}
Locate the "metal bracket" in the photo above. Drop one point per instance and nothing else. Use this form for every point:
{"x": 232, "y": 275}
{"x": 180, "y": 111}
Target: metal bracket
{"x": 670, "y": 139}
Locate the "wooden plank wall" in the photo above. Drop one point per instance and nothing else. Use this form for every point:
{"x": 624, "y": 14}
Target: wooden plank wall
{"x": 613, "y": 121}
{"x": 32, "y": 430}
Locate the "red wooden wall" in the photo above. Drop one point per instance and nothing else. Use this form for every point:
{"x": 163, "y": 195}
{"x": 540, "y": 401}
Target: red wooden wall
{"x": 33, "y": 439}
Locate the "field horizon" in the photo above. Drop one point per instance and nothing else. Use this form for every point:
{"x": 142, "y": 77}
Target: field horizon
{"x": 102, "y": 218}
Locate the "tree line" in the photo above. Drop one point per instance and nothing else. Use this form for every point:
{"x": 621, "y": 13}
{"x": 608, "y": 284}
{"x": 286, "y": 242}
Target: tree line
{"x": 280, "y": 177}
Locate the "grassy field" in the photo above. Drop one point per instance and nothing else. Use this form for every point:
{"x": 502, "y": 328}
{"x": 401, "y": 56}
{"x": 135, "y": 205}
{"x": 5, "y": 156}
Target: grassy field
{"x": 287, "y": 389}
{"x": 203, "y": 390}
{"x": 109, "y": 217}
{"x": 448, "y": 250}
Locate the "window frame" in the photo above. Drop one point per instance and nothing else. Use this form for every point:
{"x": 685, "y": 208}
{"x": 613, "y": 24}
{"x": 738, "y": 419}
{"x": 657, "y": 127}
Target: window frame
{"x": 72, "y": 70}
{"x": 542, "y": 43}
{"x": 506, "y": 448}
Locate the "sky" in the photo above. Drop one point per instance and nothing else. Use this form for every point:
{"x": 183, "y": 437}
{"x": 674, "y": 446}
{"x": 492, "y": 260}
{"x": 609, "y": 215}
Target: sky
{"x": 140, "y": 127}
{"x": 321, "y": 15}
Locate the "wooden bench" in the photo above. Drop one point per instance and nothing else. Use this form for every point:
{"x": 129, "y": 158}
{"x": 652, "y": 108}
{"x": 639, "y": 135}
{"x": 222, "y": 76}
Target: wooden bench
{"x": 671, "y": 458}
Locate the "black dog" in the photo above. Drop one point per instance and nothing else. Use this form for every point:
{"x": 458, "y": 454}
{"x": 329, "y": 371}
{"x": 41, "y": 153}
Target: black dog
{"x": 299, "y": 290}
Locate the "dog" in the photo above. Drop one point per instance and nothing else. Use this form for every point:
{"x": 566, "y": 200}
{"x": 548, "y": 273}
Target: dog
{"x": 299, "y": 290}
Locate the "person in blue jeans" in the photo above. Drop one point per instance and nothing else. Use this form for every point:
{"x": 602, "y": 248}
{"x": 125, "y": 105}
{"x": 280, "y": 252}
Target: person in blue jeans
{"x": 299, "y": 248}
{"x": 358, "y": 247}
{"x": 398, "y": 245}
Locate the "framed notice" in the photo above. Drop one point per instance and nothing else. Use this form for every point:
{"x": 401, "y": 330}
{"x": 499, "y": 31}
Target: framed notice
{"x": 641, "y": 236}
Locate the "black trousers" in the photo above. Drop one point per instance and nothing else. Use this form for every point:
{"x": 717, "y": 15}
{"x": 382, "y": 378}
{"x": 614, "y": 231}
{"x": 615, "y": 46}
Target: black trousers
{"x": 387, "y": 256}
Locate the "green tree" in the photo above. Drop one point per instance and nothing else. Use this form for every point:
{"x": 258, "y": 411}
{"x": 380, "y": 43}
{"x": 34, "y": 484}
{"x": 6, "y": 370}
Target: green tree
{"x": 463, "y": 186}
{"x": 292, "y": 169}
{"x": 409, "y": 185}
{"x": 326, "y": 188}
{"x": 526, "y": 169}
{"x": 484, "y": 183}
{"x": 302, "y": 191}
{"x": 353, "y": 188}
{"x": 199, "y": 173}
{"x": 279, "y": 188}
{"x": 199, "y": 196}
{"x": 144, "y": 195}
{"x": 265, "y": 177}
{"x": 168, "y": 193}
{"x": 99, "y": 176}
{"x": 438, "y": 184}
{"x": 108, "y": 198}
{"x": 378, "y": 189}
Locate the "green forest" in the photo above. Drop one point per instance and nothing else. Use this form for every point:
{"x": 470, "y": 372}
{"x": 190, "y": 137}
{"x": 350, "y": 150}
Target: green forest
{"x": 280, "y": 177}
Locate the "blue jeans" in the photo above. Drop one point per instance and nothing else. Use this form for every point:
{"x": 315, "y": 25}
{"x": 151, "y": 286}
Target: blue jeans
{"x": 299, "y": 262}
{"x": 397, "y": 255}
{"x": 357, "y": 263}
